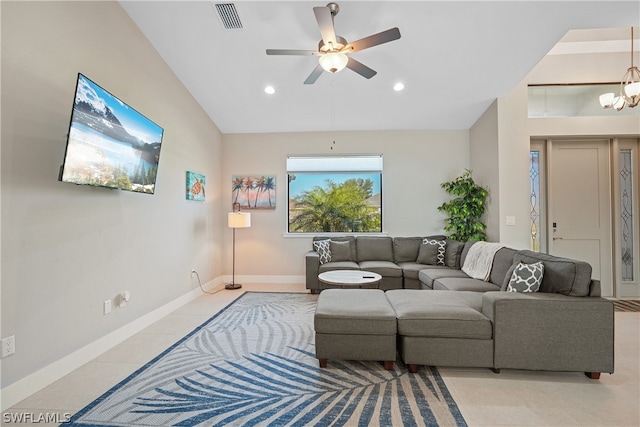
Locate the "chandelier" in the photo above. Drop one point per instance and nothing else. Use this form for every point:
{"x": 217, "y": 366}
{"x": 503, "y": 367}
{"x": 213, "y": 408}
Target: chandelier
{"x": 629, "y": 88}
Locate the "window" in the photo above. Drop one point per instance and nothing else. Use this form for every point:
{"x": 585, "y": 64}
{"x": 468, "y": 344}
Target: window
{"x": 572, "y": 100}
{"x": 335, "y": 194}
{"x": 626, "y": 215}
{"x": 534, "y": 195}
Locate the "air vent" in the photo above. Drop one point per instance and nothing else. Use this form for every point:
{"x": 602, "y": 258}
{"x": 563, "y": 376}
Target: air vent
{"x": 228, "y": 16}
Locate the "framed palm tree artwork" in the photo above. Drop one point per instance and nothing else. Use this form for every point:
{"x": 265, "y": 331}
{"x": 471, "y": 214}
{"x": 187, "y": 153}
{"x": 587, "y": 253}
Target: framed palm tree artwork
{"x": 253, "y": 191}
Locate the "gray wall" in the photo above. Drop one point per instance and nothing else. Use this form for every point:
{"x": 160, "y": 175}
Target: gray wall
{"x": 67, "y": 248}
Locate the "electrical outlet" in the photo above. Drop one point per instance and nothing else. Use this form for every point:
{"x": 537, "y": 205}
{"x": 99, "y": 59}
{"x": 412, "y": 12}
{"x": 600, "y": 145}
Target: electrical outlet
{"x": 193, "y": 272}
{"x": 107, "y": 306}
{"x": 123, "y": 299}
{"x": 8, "y": 346}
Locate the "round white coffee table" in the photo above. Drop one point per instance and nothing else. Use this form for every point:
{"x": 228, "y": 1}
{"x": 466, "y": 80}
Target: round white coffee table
{"x": 349, "y": 279}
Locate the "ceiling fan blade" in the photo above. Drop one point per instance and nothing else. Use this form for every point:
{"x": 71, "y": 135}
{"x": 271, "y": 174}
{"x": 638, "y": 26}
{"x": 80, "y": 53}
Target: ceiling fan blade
{"x": 292, "y": 52}
{"x": 325, "y": 23}
{"x": 314, "y": 75}
{"x": 373, "y": 40}
{"x": 360, "y": 68}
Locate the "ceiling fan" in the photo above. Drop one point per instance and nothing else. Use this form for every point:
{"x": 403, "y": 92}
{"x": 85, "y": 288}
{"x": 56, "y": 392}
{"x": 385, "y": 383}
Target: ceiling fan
{"x": 333, "y": 49}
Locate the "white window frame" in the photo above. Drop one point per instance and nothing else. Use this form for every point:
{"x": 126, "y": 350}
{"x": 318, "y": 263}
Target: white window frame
{"x": 348, "y": 163}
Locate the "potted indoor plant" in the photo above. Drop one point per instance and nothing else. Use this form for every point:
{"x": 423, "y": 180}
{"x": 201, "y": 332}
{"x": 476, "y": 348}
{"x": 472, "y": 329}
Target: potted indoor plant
{"x": 465, "y": 210}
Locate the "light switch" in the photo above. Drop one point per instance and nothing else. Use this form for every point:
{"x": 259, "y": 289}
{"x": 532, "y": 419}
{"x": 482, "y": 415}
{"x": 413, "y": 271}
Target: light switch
{"x": 511, "y": 220}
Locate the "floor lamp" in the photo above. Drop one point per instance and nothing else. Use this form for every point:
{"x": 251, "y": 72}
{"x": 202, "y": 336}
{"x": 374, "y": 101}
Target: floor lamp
{"x": 236, "y": 220}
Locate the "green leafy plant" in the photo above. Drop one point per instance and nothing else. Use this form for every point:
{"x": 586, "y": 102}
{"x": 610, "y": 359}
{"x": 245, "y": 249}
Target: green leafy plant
{"x": 466, "y": 209}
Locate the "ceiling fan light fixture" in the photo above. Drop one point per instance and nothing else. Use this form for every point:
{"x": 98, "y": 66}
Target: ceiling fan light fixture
{"x": 333, "y": 62}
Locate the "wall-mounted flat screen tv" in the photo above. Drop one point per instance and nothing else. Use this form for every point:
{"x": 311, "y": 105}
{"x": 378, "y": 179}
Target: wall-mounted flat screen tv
{"x": 109, "y": 143}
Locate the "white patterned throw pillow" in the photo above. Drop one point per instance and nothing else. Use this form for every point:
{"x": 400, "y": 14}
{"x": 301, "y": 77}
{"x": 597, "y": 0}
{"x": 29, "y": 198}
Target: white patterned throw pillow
{"x": 323, "y": 247}
{"x": 526, "y": 277}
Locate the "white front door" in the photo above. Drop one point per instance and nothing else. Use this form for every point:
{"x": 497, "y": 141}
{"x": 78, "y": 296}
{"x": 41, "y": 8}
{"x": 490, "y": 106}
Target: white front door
{"x": 580, "y": 205}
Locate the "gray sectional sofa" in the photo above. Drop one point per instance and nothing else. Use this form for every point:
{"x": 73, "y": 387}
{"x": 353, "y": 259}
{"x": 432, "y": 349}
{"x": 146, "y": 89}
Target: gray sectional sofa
{"x": 394, "y": 258}
{"x": 447, "y": 318}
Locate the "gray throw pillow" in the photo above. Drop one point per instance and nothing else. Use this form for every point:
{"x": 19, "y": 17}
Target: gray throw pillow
{"x": 340, "y": 251}
{"x": 324, "y": 250}
{"x": 525, "y": 277}
{"x": 431, "y": 252}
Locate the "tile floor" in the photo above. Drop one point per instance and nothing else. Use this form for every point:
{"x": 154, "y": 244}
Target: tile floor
{"x": 511, "y": 398}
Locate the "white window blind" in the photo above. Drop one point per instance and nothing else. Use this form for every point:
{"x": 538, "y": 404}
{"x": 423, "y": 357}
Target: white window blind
{"x": 368, "y": 163}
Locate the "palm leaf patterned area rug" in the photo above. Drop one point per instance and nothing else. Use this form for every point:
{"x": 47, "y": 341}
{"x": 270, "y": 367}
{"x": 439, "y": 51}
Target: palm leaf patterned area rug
{"x": 626, "y": 305}
{"x": 253, "y": 364}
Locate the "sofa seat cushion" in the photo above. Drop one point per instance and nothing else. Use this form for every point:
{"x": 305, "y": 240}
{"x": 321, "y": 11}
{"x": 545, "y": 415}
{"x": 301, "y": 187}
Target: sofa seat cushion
{"x": 464, "y": 284}
{"x": 429, "y": 274}
{"x": 383, "y": 268}
{"x": 354, "y": 312}
{"x": 338, "y": 265}
{"x": 410, "y": 270}
{"x": 428, "y": 313}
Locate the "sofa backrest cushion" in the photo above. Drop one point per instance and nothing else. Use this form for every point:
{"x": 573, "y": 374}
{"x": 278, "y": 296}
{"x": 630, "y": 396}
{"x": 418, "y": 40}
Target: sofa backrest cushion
{"x": 374, "y": 248}
{"x": 340, "y": 251}
{"x": 452, "y": 253}
{"x": 561, "y": 275}
{"x": 405, "y": 249}
{"x": 465, "y": 251}
{"x": 349, "y": 239}
{"x": 502, "y": 262}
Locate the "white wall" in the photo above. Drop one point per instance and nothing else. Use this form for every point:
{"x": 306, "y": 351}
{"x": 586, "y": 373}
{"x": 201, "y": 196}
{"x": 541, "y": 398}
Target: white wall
{"x": 499, "y": 140}
{"x": 415, "y": 163}
{"x": 67, "y": 248}
{"x": 515, "y": 200}
{"x": 484, "y": 165}
{"x": 582, "y": 68}
{"x": 500, "y": 161}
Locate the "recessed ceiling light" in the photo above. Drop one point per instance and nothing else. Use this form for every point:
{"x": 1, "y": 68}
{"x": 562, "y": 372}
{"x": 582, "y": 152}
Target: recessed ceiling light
{"x": 398, "y": 87}
{"x": 270, "y": 90}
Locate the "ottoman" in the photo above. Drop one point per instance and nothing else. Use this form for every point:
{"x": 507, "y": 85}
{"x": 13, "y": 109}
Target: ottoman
{"x": 355, "y": 324}
{"x": 442, "y": 328}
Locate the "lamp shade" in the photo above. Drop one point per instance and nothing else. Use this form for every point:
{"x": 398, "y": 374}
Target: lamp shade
{"x": 606, "y": 100}
{"x": 239, "y": 219}
{"x": 618, "y": 103}
{"x": 333, "y": 61}
{"x": 632, "y": 89}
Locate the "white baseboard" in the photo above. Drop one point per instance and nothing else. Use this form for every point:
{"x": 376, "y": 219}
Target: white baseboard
{"x": 14, "y": 393}
{"x": 266, "y": 279}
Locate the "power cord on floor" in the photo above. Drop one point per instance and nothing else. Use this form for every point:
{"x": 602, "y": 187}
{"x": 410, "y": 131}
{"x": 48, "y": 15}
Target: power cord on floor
{"x": 200, "y": 284}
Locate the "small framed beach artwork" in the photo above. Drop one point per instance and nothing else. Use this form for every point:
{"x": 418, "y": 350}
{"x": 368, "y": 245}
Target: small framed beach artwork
{"x": 253, "y": 192}
{"x": 195, "y": 186}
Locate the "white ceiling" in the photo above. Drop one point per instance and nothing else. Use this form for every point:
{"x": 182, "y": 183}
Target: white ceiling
{"x": 454, "y": 58}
